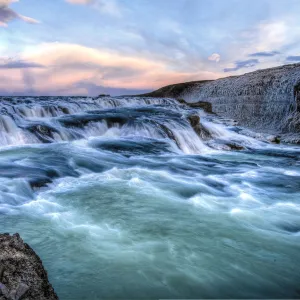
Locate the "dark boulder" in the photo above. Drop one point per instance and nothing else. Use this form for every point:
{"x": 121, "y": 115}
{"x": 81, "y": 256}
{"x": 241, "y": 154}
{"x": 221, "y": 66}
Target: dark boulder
{"x": 198, "y": 127}
{"x": 22, "y": 275}
{"x": 234, "y": 146}
{"x": 102, "y": 96}
{"x": 194, "y": 120}
{"x": 182, "y": 101}
{"x": 64, "y": 110}
{"x": 274, "y": 139}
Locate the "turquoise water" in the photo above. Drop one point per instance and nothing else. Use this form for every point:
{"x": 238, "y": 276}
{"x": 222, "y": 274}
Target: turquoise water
{"x": 121, "y": 199}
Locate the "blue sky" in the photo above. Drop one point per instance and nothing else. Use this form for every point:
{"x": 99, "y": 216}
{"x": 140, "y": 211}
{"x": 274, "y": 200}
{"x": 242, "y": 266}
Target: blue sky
{"x": 87, "y": 47}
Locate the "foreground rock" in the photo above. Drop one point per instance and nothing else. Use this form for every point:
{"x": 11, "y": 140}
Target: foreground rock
{"x": 22, "y": 275}
{"x": 265, "y": 100}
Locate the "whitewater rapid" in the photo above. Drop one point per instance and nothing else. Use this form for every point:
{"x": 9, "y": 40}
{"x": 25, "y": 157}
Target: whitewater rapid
{"x": 122, "y": 199}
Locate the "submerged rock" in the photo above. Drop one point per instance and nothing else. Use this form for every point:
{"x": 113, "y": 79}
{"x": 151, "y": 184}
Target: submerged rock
{"x": 198, "y": 127}
{"x": 234, "y": 146}
{"x": 22, "y": 275}
{"x": 43, "y": 132}
{"x": 219, "y": 144}
{"x": 102, "y": 96}
{"x": 194, "y": 120}
{"x": 274, "y": 139}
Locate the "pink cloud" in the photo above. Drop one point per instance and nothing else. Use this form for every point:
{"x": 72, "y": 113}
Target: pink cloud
{"x": 66, "y": 65}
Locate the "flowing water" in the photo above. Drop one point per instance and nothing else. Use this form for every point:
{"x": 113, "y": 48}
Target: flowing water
{"x": 122, "y": 199}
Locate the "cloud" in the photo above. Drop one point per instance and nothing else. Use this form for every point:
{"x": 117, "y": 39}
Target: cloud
{"x": 264, "y": 54}
{"x": 7, "y": 14}
{"x": 29, "y": 20}
{"x": 70, "y": 69}
{"x": 104, "y": 6}
{"x": 258, "y": 42}
{"x": 293, "y": 58}
{"x": 242, "y": 64}
{"x": 19, "y": 65}
{"x": 6, "y": 2}
{"x": 215, "y": 57}
{"x": 266, "y": 35}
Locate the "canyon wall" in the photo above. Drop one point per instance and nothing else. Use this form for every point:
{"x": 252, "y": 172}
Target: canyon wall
{"x": 266, "y": 100}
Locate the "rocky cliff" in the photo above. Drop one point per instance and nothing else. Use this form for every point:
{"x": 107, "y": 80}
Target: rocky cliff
{"x": 266, "y": 100}
{"x": 22, "y": 275}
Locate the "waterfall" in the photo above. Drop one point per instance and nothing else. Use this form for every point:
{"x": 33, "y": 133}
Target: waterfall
{"x": 48, "y": 120}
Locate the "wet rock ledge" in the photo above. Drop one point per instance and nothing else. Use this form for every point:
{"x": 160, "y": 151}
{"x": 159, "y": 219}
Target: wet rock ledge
{"x": 22, "y": 275}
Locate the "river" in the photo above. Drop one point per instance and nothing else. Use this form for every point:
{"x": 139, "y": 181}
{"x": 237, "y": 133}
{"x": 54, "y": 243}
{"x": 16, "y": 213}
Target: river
{"x": 121, "y": 198}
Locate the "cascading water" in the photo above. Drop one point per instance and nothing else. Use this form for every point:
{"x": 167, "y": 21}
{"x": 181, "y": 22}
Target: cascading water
{"x": 26, "y": 121}
{"x": 121, "y": 198}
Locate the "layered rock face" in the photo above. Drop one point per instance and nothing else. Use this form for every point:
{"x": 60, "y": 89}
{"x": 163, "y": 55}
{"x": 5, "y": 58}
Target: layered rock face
{"x": 22, "y": 275}
{"x": 267, "y": 100}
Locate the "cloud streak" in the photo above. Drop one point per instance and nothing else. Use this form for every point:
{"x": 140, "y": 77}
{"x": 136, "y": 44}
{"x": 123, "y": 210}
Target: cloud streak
{"x": 293, "y": 58}
{"x": 19, "y": 65}
{"x": 264, "y": 54}
{"x": 242, "y": 64}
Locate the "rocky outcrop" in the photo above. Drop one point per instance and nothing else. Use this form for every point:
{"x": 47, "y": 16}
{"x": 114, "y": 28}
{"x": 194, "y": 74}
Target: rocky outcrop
{"x": 22, "y": 275}
{"x": 206, "y": 106}
{"x": 267, "y": 100}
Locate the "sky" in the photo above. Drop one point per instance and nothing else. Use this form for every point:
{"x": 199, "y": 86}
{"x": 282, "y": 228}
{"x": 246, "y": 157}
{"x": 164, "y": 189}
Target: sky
{"x": 118, "y": 47}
